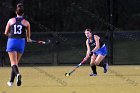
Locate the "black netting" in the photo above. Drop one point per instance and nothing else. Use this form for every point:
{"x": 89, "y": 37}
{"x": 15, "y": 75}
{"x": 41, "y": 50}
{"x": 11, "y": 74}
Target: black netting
{"x": 128, "y": 14}
{"x": 62, "y": 15}
{"x": 126, "y": 47}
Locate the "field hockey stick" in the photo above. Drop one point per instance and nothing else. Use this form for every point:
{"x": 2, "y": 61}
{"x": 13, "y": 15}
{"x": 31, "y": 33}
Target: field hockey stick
{"x": 41, "y": 42}
{"x": 82, "y": 62}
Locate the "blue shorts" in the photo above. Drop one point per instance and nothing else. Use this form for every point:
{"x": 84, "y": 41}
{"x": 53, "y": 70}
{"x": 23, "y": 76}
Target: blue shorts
{"x": 101, "y": 51}
{"x": 15, "y": 44}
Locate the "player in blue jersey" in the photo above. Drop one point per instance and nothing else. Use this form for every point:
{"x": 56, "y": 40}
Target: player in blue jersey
{"x": 17, "y": 30}
{"x": 97, "y": 50}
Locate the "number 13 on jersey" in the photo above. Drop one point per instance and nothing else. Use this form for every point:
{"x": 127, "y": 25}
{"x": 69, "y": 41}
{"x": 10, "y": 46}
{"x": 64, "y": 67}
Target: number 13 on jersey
{"x": 17, "y": 29}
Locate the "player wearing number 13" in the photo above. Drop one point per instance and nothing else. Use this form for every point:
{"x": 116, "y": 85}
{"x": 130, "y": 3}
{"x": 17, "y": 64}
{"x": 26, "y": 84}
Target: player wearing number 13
{"x": 17, "y": 29}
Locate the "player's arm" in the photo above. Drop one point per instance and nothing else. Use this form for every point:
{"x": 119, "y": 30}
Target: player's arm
{"x": 96, "y": 38}
{"x": 7, "y": 29}
{"x": 88, "y": 49}
{"x": 28, "y": 33}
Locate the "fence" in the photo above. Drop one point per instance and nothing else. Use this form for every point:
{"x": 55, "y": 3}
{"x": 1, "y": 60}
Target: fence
{"x": 69, "y": 48}
{"x": 64, "y": 21}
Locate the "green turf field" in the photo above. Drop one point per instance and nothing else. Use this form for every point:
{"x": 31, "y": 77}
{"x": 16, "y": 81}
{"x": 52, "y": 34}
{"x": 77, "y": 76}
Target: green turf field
{"x": 51, "y": 79}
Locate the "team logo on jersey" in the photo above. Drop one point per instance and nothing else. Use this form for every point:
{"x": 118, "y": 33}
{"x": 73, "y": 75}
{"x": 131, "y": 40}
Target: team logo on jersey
{"x": 93, "y": 44}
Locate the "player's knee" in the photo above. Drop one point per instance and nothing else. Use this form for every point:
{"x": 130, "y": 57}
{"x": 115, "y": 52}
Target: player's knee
{"x": 96, "y": 63}
{"x": 91, "y": 64}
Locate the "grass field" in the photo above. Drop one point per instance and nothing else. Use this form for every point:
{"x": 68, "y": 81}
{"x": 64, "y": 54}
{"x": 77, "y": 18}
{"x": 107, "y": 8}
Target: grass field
{"x": 51, "y": 79}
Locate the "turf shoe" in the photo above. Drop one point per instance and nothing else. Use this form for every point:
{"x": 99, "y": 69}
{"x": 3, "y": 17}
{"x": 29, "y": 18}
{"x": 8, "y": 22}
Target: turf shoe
{"x": 105, "y": 67}
{"x": 10, "y": 84}
{"x": 18, "y": 79}
{"x": 93, "y": 74}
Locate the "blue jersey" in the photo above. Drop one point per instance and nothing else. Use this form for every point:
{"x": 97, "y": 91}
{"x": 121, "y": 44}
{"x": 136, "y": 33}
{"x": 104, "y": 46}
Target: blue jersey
{"x": 102, "y": 48}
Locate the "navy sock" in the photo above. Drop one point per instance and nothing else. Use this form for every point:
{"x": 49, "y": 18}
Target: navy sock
{"x": 12, "y": 76}
{"x": 15, "y": 69}
{"x": 94, "y": 69}
{"x": 102, "y": 64}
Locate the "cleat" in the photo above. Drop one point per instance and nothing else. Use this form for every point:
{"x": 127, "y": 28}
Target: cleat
{"x": 10, "y": 84}
{"x": 93, "y": 74}
{"x": 105, "y": 68}
{"x": 18, "y": 79}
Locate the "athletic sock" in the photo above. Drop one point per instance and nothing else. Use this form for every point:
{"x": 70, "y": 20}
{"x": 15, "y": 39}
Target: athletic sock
{"x": 102, "y": 64}
{"x": 15, "y": 69}
{"x": 12, "y": 76}
{"x": 94, "y": 69}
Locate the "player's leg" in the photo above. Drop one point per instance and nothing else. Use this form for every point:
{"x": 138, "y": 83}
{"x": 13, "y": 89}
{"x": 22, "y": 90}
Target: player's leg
{"x": 99, "y": 61}
{"x": 13, "y": 60}
{"x": 18, "y": 56}
{"x": 93, "y": 66}
{"x": 20, "y": 51}
{"x": 104, "y": 61}
{"x": 18, "y": 75}
{"x": 14, "y": 63}
{"x": 11, "y": 81}
{"x": 101, "y": 54}
{"x": 104, "y": 64}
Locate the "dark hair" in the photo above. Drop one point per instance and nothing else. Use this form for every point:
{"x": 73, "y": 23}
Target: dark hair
{"x": 20, "y": 9}
{"x": 88, "y": 29}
